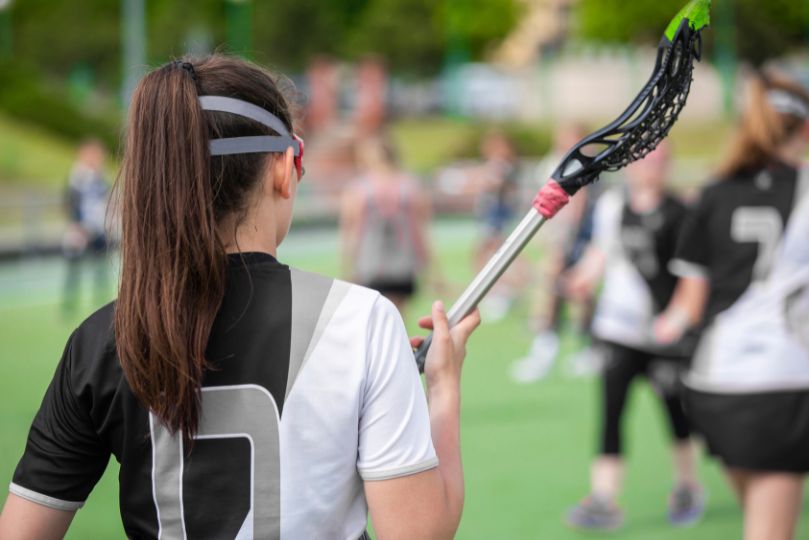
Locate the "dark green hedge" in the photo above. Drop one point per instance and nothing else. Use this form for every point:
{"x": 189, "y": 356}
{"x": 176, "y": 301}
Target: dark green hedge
{"x": 25, "y": 95}
{"x": 528, "y": 140}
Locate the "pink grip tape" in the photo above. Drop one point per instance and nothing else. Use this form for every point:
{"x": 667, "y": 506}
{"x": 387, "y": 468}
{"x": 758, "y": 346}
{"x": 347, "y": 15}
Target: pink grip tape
{"x": 550, "y": 199}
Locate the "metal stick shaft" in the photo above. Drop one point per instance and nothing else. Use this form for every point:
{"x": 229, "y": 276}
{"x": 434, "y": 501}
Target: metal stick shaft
{"x": 488, "y": 276}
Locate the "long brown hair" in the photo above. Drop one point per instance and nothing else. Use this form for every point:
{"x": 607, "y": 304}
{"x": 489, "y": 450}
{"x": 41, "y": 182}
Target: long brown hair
{"x": 762, "y": 128}
{"x": 172, "y": 195}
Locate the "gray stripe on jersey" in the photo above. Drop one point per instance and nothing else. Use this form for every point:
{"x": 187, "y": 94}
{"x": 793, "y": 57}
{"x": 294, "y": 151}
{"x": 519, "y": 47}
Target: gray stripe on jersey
{"x": 315, "y": 298}
{"x": 240, "y": 411}
{"x": 339, "y": 290}
{"x": 167, "y": 465}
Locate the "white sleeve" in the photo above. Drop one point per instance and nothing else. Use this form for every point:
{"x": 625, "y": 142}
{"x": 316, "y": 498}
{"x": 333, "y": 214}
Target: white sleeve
{"x": 796, "y": 242}
{"x": 394, "y": 431}
{"x": 607, "y": 221}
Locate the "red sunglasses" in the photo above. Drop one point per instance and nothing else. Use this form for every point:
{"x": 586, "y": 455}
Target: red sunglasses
{"x": 299, "y": 158}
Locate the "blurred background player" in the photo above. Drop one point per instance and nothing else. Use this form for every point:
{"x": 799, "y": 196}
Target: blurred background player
{"x": 498, "y": 204}
{"x": 564, "y": 241}
{"x": 636, "y": 228}
{"x": 86, "y": 235}
{"x": 748, "y": 388}
{"x": 384, "y": 220}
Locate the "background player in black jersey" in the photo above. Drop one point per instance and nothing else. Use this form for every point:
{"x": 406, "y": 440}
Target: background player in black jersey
{"x": 242, "y": 398}
{"x": 748, "y": 388}
{"x": 633, "y": 241}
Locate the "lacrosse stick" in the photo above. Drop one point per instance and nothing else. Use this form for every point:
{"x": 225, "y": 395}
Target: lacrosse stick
{"x": 638, "y": 131}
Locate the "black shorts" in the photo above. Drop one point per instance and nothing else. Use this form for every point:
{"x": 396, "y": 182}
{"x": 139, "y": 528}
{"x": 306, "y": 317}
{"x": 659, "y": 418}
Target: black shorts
{"x": 766, "y": 431}
{"x": 403, "y": 287}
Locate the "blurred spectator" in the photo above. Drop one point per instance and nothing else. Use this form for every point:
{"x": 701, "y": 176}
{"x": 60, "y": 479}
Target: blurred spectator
{"x": 564, "y": 240}
{"x": 384, "y": 223}
{"x": 86, "y": 236}
{"x": 498, "y": 203}
{"x": 324, "y": 94}
{"x": 371, "y": 92}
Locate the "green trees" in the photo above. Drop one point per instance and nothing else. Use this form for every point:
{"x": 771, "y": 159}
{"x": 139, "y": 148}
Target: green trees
{"x": 412, "y": 35}
{"x": 757, "y": 30}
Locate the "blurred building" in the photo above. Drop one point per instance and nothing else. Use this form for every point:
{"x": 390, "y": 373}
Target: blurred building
{"x": 544, "y": 28}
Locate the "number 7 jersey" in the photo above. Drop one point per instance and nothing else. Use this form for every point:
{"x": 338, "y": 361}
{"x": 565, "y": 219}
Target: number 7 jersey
{"x": 734, "y": 238}
{"x": 311, "y": 391}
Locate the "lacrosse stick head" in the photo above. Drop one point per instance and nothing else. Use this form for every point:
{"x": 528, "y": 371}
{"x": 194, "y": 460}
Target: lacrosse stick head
{"x": 650, "y": 117}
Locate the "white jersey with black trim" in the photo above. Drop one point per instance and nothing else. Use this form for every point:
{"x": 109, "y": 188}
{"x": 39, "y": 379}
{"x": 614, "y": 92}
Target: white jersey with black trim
{"x": 312, "y": 390}
{"x": 637, "y": 248}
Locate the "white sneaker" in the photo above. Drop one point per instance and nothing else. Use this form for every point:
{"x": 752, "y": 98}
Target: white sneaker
{"x": 585, "y": 363}
{"x": 495, "y": 307}
{"x": 539, "y": 361}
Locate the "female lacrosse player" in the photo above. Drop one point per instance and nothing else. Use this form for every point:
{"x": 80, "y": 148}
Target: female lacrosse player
{"x": 748, "y": 388}
{"x": 634, "y": 238}
{"x": 383, "y": 221}
{"x": 242, "y": 398}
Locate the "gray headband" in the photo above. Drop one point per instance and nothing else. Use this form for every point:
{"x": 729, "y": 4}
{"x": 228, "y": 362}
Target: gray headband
{"x": 248, "y": 145}
{"x": 788, "y": 103}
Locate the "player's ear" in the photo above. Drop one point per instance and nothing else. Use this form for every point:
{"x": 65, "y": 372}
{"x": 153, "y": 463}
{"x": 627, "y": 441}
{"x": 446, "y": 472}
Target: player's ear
{"x": 278, "y": 176}
{"x": 282, "y": 173}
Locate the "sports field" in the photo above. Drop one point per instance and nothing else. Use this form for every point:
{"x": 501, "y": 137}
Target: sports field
{"x": 526, "y": 448}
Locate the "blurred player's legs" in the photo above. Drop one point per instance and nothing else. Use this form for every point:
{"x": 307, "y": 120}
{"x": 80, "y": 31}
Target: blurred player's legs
{"x": 599, "y": 510}
{"x": 564, "y": 249}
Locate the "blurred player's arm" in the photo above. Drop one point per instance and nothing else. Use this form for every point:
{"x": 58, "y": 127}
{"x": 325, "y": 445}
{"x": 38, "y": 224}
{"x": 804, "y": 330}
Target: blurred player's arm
{"x": 685, "y": 310}
{"x": 581, "y": 281}
{"x": 427, "y": 504}
{"x": 25, "y": 520}
{"x": 691, "y": 262}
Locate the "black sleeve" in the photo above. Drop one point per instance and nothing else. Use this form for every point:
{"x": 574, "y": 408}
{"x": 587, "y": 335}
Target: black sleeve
{"x": 64, "y": 457}
{"x": 693, "y": 254}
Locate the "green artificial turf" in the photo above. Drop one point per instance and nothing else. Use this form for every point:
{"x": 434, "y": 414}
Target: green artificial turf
{"x": 526, "y": 449}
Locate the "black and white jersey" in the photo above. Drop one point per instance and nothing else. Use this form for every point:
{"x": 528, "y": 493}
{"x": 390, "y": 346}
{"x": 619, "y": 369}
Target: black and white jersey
{"x": 750, "y": 237}
{"x": 312, "y": 390}
{"x": 637, "y": 282}
{"x": 733, "y": 232}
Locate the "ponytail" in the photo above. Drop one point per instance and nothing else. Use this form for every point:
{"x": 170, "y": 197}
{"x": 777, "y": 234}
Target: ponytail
{"x": 763, "y": 129}
{"x": 173, "y": 265}
{"x": 172, "y": 194}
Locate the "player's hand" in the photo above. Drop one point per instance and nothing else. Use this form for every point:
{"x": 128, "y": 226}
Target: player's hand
{"x": 448, "y": 349}
{"x": 577, "y": 285}
{"x": 667, "y": 329}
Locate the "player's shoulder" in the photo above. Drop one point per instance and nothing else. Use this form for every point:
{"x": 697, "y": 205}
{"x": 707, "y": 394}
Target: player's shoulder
{"x": 614, "y": 195}
{"x": 92, "y": 347}
{"x": 611, "y": 200}
{"x": 96, "y": 332}
{"x": 368, "y": 305}
{"x": 354, "y": 298}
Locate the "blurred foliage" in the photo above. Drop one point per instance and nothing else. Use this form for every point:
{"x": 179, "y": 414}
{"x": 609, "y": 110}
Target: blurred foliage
{"x": 416, "y": 36}
{"x": 31, "y": 156}
{"x": 758, "y": 29}
{"x": 411, "y": 35}
{"x": 26, "y": 96}
{"x": 529, "y": 140}
{"x": 59, "y": 36}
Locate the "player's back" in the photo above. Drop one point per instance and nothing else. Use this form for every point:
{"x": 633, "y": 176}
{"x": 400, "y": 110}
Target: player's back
{"x": 293, "y": 416}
